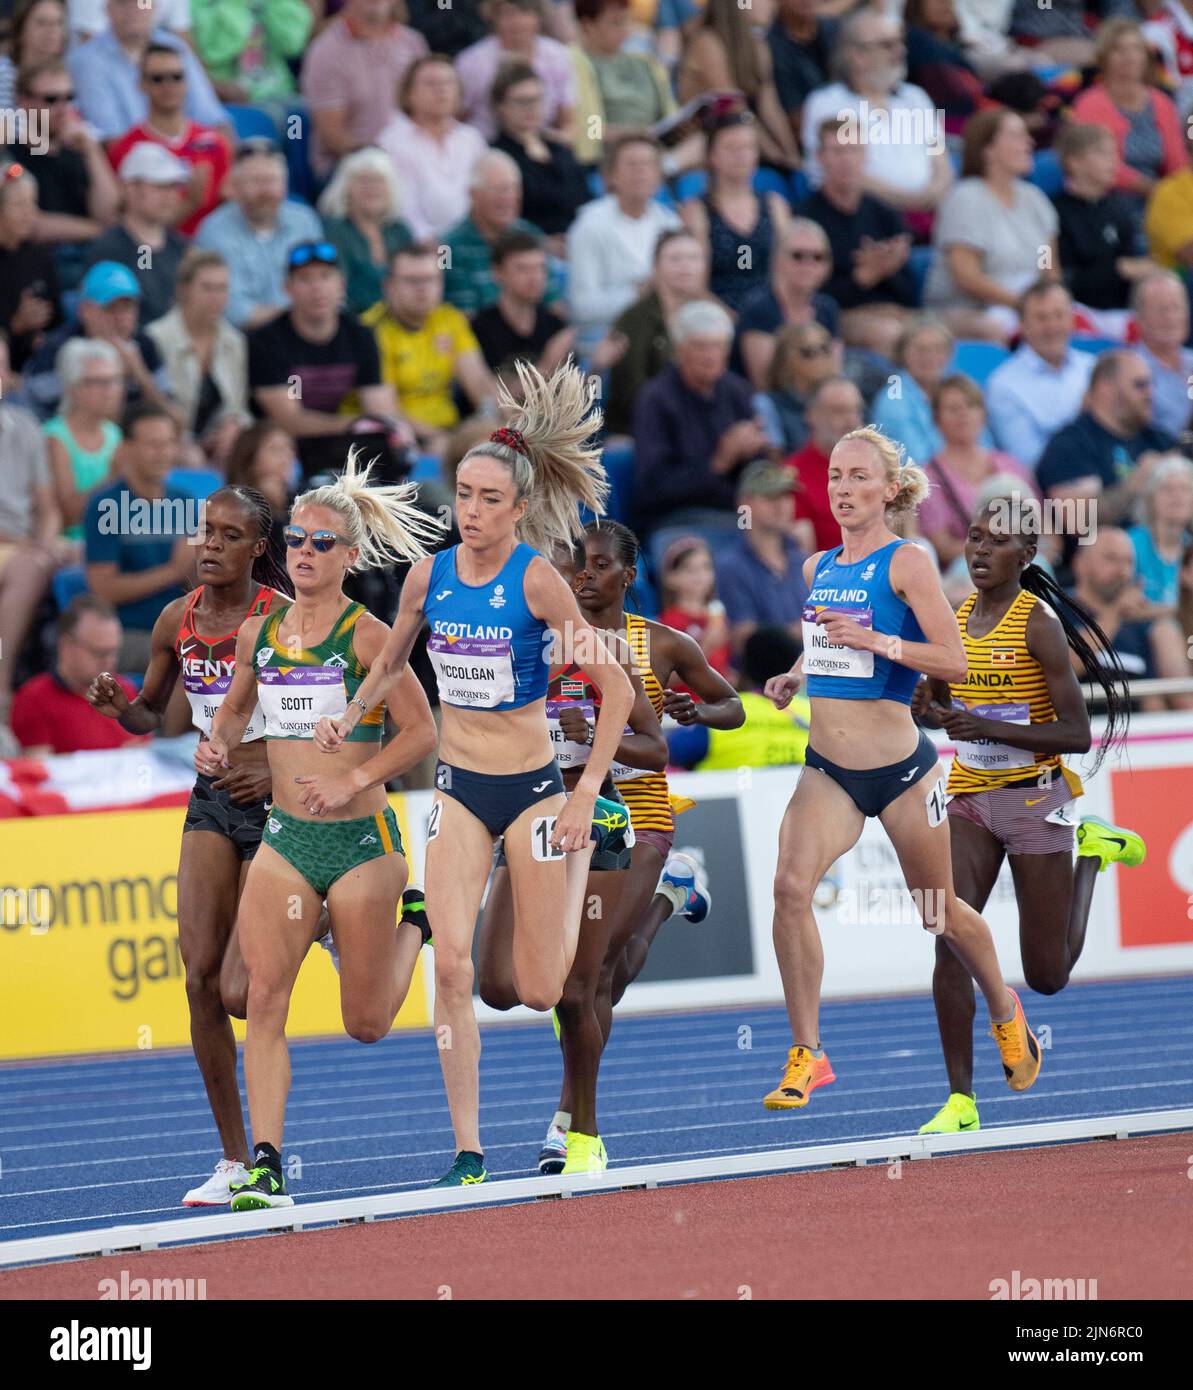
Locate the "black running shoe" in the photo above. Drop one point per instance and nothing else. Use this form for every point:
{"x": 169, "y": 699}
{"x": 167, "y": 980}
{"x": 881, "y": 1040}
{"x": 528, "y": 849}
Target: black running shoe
{"x": 265, "y": 1188}
{"x": 414, "y": 909}
{"x": 464, "y": 1172}
{"x": 612, "y": 834}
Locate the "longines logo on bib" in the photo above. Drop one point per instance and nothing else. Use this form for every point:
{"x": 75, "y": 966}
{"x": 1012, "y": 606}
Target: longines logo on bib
{"x": 825, "y": 658}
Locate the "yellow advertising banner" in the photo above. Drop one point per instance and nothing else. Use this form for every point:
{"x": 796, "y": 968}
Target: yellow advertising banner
{"x": 89, "y": 954}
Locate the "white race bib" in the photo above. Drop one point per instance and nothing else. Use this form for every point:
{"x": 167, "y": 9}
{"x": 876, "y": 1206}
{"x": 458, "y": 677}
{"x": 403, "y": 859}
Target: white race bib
{"x": 568, "y": 754}
{"x": 621, "y": 772}
{"x": 988, "y": 754}
{"x": 825, "y": 658}
{"x": 295, "y": 699}
{"x": 205, "y": 702}
{"x": 472, "y": 672}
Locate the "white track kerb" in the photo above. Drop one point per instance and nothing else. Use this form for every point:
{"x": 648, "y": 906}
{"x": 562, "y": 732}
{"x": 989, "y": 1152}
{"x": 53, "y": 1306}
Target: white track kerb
{"x": 857, "y": 1153}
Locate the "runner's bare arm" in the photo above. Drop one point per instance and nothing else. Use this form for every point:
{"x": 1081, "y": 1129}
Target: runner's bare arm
{"x": 233, "y": 715}
{"x": 930, "y": 701}
{"x": 645, "y": 747}
{"x": 416, "y": 737}
{"x": 915, "y": 581}
{"x": 720, "y": 705}
{"x": 144, "y": 714}
{"x": 1069, "y": 731}
{"x": 390, "y": 663}
{"x": 551, "y": 600}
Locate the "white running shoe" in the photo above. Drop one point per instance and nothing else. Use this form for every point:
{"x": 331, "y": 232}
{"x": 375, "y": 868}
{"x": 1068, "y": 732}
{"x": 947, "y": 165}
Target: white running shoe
{"x": 683, "y": 874}
{"x": 217, "y": 1190}
{"x": 554, "y": 1153}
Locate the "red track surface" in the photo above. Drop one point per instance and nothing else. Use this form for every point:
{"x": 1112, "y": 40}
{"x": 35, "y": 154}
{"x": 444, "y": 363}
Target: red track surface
{"x": 1117, "y": 1212}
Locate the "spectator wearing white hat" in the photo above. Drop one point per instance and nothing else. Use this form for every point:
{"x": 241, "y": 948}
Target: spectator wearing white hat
{"x": 151, "y": 180}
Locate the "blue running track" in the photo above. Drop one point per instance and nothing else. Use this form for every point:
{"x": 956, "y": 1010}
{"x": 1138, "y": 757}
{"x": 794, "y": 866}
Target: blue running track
{"x": 114, "y": 1141}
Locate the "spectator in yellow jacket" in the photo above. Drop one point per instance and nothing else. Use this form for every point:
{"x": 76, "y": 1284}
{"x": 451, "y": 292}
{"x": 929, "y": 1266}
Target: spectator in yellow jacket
{"x": 769, "y": 737}
{"x": 427, "y": 347}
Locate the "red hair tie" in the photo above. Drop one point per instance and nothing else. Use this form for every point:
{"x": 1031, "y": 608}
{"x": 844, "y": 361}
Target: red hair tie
{"x": 512, "y": 439}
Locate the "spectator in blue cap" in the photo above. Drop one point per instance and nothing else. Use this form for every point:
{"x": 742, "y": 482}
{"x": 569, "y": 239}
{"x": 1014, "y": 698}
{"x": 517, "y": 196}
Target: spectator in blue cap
{"x": 109, "y": 309}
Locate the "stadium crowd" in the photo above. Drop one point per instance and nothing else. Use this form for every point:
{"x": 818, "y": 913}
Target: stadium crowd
{"x": 237, "y": 236}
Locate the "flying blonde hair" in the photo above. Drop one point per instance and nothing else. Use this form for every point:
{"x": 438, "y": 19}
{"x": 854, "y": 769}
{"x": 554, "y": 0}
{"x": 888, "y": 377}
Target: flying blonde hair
{"x": 382, "y": 521}
{"x": 913, "y": 481}
{"x": 561, "y": 469}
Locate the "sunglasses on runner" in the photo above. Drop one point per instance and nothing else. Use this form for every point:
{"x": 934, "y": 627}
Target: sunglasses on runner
{"x": 323, "y": 541}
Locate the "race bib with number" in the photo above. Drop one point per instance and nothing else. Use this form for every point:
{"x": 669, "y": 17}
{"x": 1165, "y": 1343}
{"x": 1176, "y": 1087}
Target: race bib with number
{"x": 294, "y": 700}
{"x": 988, "y": 754}
{"x": 472, "y": 672}
{"x": 936, "y": 802}
{"x": 541, "y": 848}
{"x": 825, "y": 658}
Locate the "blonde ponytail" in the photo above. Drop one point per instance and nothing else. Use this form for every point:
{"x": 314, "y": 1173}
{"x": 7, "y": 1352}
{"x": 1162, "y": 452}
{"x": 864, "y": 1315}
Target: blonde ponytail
{"x": 383, "y": 522}
{"x": 555, "y": 420}
{"x": 913, "y": 481}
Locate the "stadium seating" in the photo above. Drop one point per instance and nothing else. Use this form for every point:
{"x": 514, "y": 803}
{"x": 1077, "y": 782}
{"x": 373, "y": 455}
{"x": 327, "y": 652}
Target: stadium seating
{"x": 619, "y": 466}
{"x": 977, "y": 360}
{"x": 1095, "y": 345}
{"x": 1046, "y": 173}
{"x": 251, "y": 123}
{"x": 694, "y": 184}
{"x": 296, "y": 143}
{"x": 69, "y": 581}
{"x": 918, "y": 263}
{"x": 195, "y": 482}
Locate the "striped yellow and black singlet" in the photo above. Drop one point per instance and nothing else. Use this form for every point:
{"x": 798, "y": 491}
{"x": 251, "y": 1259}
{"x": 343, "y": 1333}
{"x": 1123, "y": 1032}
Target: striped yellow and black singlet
{"x": 646, "y": 796}
{"x": 1003, "y": 671}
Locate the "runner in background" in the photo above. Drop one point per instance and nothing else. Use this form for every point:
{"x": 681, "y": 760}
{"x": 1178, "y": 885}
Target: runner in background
{"x": 659, "y": 883}
{"x": 241, "y": 577}
{"x": 572, "y": 705}
{"x": 876, "y": 617}
{"x": 681, "y": 683}
{"x": 1018, "y": 710}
